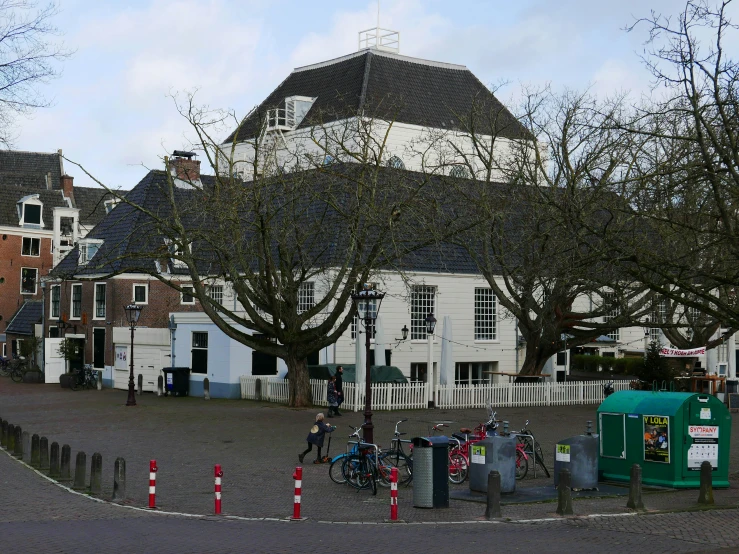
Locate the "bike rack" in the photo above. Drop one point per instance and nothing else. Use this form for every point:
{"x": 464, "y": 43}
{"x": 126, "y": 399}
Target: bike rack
{"x": 533, "y": 447}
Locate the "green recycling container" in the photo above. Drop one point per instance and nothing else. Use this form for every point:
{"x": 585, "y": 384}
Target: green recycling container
{"x": 669, "y": 434}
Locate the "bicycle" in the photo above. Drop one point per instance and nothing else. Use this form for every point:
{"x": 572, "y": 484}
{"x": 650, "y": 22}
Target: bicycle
{"x": 4, "y": 366}
{"x": 396, "y": 457}
{"x": 360, "y": 469}
{"x": 17, "y": 367}
{"x": 85, "y": 378}
{"x": 532, "y": 447}
{"x": 458, "y": 461}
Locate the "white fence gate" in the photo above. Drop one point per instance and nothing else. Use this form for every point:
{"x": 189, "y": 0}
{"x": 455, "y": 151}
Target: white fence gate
{"x": 409, "y": 396}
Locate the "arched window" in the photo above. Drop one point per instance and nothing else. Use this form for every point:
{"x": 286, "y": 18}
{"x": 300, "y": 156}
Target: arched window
{"x": 459, "y": 171}
{"x": 396, "y": 163}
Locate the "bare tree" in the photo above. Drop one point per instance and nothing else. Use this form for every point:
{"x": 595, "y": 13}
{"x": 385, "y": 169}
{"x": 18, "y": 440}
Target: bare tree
{"x": 28, "y": 58}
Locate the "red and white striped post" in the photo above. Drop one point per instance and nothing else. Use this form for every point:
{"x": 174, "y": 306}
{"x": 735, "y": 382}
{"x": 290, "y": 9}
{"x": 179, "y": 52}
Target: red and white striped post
{"x": 218, "y": 474}
{"x": 152, "y": 484}
{"x": 394, "y": 494}
{"x": 298, "y": 476}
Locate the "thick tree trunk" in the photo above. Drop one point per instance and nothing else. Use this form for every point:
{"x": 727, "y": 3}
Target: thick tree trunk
{"x": 299, "y": 383}
{"x": 534, "y": 358}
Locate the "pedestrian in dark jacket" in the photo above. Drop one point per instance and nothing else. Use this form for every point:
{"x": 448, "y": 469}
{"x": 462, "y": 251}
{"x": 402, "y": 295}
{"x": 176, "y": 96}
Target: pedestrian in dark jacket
{"x": 316, "y": 436}
{"x": 339, "y": 389}
{"x": 331, "y": 396}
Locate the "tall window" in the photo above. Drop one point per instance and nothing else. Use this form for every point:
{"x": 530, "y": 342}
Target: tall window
{"x": 140, "y": 294}
{"x": 485, "y": 314}
{"x": 76, "y": 301}
{"x": 187, "y": 295}
{"x": 216, "y": 293}
{"x": 100, "y": 300}
{"x": 56, "y": 297}
{"x": 422, "y": 304}
{"x": 471, "y": 373}
{"x": 659, "y": 315}
{"x": 199, "y": 352}
{"x": 31, "y": 246}
{"x": 612, "y": 311}
{"x": 29, "y": 278}
{"x": 306, "y": 296}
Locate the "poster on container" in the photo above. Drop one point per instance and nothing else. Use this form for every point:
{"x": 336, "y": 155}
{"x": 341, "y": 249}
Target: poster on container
{"x": 704, "y": 447}
{"x": 656, "y": 438}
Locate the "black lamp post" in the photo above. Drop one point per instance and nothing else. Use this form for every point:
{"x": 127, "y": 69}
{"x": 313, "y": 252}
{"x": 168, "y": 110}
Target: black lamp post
{"x": 430, "y": 380}
{"x": 133, "y": 312}
{"x": 646, "y": 336}
{"x": 367, "y": 302}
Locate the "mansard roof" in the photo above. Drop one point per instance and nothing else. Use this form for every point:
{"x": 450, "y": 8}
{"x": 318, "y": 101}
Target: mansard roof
{"x": 390, "y": 87}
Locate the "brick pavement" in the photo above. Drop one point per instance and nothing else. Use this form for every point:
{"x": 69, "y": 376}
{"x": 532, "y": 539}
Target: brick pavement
{"x": 257, "y": 445}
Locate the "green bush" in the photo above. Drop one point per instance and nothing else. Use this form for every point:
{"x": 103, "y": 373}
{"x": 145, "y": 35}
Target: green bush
{"x": 622, "y": 366}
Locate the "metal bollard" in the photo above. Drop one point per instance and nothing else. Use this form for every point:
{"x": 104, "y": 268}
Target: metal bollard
{"x": 298, "y": 476}
{"x": 160, "y": 386}
{"x": 10, "y": 446}
{"x": 96, "y": 474}
{"x": 218, "y": 475}
{"x": 44, "y": 454}
{"x": 153, "y": 484}
{"x": 635, "y": 499}
{"x": 141, "y": 384}
{"x": 100, "y": 380}
{"x": 18, "y": 452}
{"x": 705, "y": 495}
{"x": 65, "y": 473}
{"x": 564, "y": 493}
{"x": 119, "y": 480}
{"x": 80, "y": 472}
{"x": 35, "y": 451}
{"x": 589, "y": 428}
{"x": 54, "y": 461}
{"x": 394, "y": 494}
{"x": 26, "y": 438}
{"x": 206, "y": 388}
{"x": 492, "y": 510}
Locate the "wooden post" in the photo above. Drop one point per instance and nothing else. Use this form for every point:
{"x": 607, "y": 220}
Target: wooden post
{"x": 44, "y": 454}
{"x": 96, "y": 474}
{"x": 635, "y": 498}
{"x": 705, "y": 496}
{"x": 564, "y": 493}
{"x": 119, "y": 480}
{"x": 492, "y": 509}
{"x": 80, "y": 472}
{"x": 54, "y": 470}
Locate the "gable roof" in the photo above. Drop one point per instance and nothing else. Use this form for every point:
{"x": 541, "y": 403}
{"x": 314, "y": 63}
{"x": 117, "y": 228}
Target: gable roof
{"x": 391, "y": 87}
{"x": 37, "y": 170}
{"x": 25, "y": 318}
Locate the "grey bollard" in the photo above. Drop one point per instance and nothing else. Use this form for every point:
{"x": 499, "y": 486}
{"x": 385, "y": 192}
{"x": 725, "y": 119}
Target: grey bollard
{"x": 54, "y": 470}
{"x": 65, "y": 469}
{"x": 44, "y": 454}
{"x": 564, "y": 494}
{"x": 141, "y": 384}
{"x": 35, "y": 451}
{"x": 96, "y": 474}
{"x": 4, "y": 434}
{"x": 80, "y": 472}
{"x": 100, "y": 380}
{"x": 206, "y": 388}
{"x": 492, "y": 510}
{"x": 160, "y": 386}
{"x": 705, "y": 496}
{"x": 119, "y": 480}
{"x": 26, "y": 438}
{"x": 589, "y": 428}
{"x": 18, "y": 452}
{"x": 635, "y": 500}
{"x": 11, "y": 438}
{"x": 258, "y": 390}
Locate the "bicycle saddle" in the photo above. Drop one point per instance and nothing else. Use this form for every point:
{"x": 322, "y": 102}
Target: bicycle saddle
{"x": 466, "y": 430}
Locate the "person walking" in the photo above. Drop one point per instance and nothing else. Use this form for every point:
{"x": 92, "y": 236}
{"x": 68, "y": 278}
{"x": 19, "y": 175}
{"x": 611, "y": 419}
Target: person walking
{"x": 333, "y": 401}
{"x": 316, "y": 436}
{"x": 339, "y": 389}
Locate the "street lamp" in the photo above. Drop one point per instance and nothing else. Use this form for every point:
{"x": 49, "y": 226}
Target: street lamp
{"x": 430, "y": 326}
{"x": 61, "y": 325}
{"x": 367, "y": 301}
{"x": 133, "y": 312}
{"x": 646, "y": 336}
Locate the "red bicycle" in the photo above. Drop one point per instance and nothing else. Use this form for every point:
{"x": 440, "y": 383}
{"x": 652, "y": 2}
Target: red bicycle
{"x": 459, "y": 464}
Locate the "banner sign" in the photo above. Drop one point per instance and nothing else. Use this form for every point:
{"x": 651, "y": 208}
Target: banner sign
{"x": 677, "y": 353}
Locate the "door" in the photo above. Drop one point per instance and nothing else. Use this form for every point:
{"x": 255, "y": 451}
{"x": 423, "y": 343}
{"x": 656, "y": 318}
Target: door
{"x": 613, "y": 435}
{"x": 120, "y": 367}
{"x": 98, "y": 348}
{"x": 77, "y": 359}
{"x": 54, "y": 365}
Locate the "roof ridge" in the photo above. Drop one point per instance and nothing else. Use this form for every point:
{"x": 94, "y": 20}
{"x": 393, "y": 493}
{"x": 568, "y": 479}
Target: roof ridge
{"x": 30, "y": 152}
{"x": 409, "y": 59}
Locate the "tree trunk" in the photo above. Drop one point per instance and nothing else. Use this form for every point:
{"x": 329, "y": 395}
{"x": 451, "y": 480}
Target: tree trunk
{"x": 299, "y": 383}
{"x": 535, "y": 358}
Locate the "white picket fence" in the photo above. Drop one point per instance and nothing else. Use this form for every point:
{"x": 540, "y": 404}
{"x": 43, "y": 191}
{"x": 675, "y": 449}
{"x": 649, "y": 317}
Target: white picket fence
{"x": 409, "y": 396}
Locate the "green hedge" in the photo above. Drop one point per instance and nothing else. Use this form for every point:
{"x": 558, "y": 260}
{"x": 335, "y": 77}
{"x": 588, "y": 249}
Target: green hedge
{"x": 626, "y": 366}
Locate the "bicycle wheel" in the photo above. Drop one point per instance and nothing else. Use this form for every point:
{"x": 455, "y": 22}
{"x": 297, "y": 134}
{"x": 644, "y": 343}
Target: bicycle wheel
{"x": 74, "y": 382}
{"x": 334, "y": 471}
{"x": 522, "y": 465}
{"x": 371, "y": 474}
{"x": 351, "y": 469}
{"x": 17, "y": 375}
{"x": 395, "y": 458}
{"x": 458, "y": 468}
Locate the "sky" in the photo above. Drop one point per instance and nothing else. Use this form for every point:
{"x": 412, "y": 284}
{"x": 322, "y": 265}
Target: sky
{"x": 112, "y": 108}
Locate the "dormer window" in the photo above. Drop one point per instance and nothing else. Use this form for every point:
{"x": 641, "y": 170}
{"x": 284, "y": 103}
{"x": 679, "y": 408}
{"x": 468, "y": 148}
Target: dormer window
{"x": 175, "y": 252}
{"x": 29, "y": 211}
{"x": 88, "y": 249}
{"x": 459, "y": 171}
{"x": 110, "y": 204}
{"x": 289, "y": 115}
{"x": 396, "y": 163}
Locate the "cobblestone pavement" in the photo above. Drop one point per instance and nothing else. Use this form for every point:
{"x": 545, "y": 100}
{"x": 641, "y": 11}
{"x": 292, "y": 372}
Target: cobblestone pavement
{"x": 257, "y": 445}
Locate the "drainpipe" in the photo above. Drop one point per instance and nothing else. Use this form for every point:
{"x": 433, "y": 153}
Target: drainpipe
{"x": 43, "y": 326}
{"x": 173, "y": 332}
{"x": 516, "y": 345}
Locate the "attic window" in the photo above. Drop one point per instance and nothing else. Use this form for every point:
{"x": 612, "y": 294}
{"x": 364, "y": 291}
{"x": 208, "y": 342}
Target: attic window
{"x": 175, "y": 253}
{"x": 88, "y": 249}
{"x": 396, "y": 163}
{"x": 290, "y": 114}
{"x": 29, "y": 211}
{"x": 110, "y": 204}
{"x": 459, "y": 171}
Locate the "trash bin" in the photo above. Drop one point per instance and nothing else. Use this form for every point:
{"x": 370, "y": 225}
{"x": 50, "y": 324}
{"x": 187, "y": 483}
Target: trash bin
{"x": 431, "y": 472}
{"x": 493, "y": 453}
{"x": 732, "y": 386}
{"x": 579, "y": 455}
{"x": 176, "y": 381}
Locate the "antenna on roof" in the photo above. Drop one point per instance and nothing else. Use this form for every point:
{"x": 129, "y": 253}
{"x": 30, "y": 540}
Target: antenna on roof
{"x": 379, "y": 38}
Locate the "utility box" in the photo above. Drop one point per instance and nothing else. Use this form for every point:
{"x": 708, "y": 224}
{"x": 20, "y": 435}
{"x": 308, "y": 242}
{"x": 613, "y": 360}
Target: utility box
{"x": 431, "y": 472}
{"x": 579, "y": 455}
{"x": 670, "y": 434}
{"x": 493, "y": 453}
{"x": 176, "y": 381}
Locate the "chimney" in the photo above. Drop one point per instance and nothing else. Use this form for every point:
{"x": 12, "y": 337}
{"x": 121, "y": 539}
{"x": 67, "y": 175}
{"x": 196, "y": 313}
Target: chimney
{"x": 183, "y": 167}
{"x": 68, "y": 186}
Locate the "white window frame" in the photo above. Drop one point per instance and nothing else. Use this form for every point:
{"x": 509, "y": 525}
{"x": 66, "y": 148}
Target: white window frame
{"x": 35, "y": 281}
{"x": 485, "y": 324}
{"x": 146, "y": 294}
{"x": 95, "y": 301}
{"x": 58, "y": 313}
{"x": 183, "y": 294}
{"x": 306, "y": 296}
{"x": 31, "y": 200}
{"x": 110, "y": 204}
{"x": 23, "y": 240}
{"x": 216, "y": 295}
{"x": 423, "y": 302}
{"x": 85, "y": 245}
{"x": 71, "y": 301}
{"x": 616, "y": 334}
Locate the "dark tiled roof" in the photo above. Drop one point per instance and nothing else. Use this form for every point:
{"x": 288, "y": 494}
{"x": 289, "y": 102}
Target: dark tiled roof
{"x": 30, "y": 169}
{"x": 91, "y": 202}
{"x": 25, "y": 318}
{"x": 11, "y": 194}
{"x": 393, "y": 87}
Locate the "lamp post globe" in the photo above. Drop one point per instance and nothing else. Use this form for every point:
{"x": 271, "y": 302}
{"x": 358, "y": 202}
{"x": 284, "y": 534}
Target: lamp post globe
{"x": 367, "y": 302}
{"x": 133, "y": 312}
